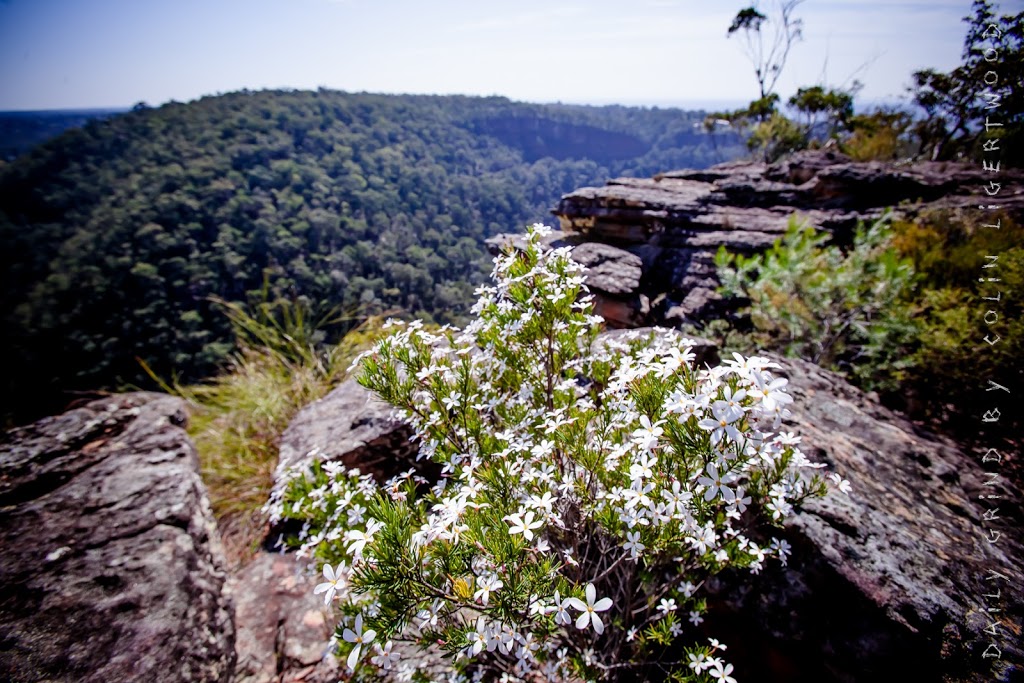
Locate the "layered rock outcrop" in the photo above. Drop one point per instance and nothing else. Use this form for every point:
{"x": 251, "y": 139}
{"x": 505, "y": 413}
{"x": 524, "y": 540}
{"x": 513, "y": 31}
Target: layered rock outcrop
{"x": 675, "y": 222}
{"x": 110, "y": 563}
{"x": 900, "y": 579}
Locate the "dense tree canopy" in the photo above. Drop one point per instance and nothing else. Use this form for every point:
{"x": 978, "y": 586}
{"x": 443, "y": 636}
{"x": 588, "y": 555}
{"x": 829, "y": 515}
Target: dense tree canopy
{"x": 115, "y": 237}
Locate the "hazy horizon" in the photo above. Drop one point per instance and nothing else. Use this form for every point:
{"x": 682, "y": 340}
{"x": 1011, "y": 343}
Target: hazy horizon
{"x": 106, "y": 54}
{"x": 684, "y": 105}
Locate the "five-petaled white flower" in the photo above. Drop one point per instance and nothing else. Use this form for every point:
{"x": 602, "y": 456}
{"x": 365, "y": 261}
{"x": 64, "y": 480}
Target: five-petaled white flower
{"x": 633, "y": 544}
{"x": 590, "y": 609}
{"x": 667, "y": 605}
{"x": 715, "y": 483}
{"x": 384, "y": 658}
{"x": 486, "y": 584}
{"x": 771, "y": 391}
{"x": 721, "y": 673}
{"x": 331, "y": 585}
{"x": 647, "y": 436}
{"x": 523, "y": 524}
{"x": 721, "y": 425}
{"x": 698, "y": 662}
{"x": 359, "y": 637}
{"x": 482, "y": 637}
{"x": 561, "y": 611}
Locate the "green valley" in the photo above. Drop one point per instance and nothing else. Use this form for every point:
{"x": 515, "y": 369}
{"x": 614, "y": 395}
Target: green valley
{"x": 118, "y": 238}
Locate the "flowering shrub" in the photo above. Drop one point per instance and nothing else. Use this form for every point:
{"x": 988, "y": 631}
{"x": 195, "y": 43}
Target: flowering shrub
{"x": 589, "y": 488}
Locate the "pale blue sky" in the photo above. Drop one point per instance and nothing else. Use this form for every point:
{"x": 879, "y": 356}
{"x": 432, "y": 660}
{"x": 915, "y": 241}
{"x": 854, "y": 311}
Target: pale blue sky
{"x": 97, "y": 53}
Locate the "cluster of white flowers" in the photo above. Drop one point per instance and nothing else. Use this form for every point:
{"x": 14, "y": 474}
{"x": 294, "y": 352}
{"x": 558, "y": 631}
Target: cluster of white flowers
{"x": 572, "y": 467}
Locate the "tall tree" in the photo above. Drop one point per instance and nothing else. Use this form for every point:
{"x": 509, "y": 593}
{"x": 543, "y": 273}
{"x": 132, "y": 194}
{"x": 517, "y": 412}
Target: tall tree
{"x": 767, "y": 40}
{"x": 955, "y": 104}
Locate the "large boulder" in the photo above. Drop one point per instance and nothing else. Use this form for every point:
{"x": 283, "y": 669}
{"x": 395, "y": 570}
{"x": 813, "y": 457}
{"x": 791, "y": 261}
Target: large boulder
{"x": 111, "y": 568}
{"x": 896, "y": 581}
{"x": 352, "y": 426}
{"x": 609, "y": 269}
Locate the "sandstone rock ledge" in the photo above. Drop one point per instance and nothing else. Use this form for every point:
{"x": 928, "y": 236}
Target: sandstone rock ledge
{"x": 653, "y": 240}
{"x": 110, "y": 564}
{"x": 891, "y": 581}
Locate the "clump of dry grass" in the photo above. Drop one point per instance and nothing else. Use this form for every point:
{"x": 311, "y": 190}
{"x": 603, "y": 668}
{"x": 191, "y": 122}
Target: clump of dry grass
{"x": 239, "y": 416}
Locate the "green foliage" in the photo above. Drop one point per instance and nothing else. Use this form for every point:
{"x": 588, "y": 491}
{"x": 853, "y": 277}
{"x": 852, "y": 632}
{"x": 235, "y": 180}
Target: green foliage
{"x": 956, "y": 103}
{"x": 775, "y": 137}
{"x": 955, "y": 256}
{"x": 880, "y": 135}
{"x": 906, "y": 311}
{"x": 823, "y": 110}
{"x": 838, "y": 308}
{"x": 115, "y": 239}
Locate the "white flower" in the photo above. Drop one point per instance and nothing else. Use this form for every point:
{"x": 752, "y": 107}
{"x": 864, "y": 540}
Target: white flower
{"x": 842, "y": 484}
{"x": 633, "y": 544}
{"x": 544, "y": 502}
{"x": 643, "y": 467}
{"x": 741, "y": 500}
{"x": 523, "y": 524}
{"x": 482, "y": 638}
{"x": 716, "y": 483}
{"x": 782, "y": 548}
{"x": 705, "y": 539}
{"x": 631, "y": 634}
{"x": 355, "y": 514}
{"x": 331, "y": 586}
{"x": 358, "y": 539}
{"x": 695, "y": 617}
{"x": 722, "y": 674}
{"x": 698, "y": 662}
{"x": 486, "y": 584}
{"x": 676, "y": 499}
{"x": 590, "y": 609}
{"x": 771, "y": 391}
{"x": 384, "y": 657}
{"x": 647, "y": 436}
{"x": 722, "y": 424}
{"x": 560, "y": 609}
{"x": 667, "y": 605}
{"x": 360, "y": 638}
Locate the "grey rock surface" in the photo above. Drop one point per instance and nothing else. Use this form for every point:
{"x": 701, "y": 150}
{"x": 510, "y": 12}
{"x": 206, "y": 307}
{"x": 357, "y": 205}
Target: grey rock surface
{"x": 889, "y": 582}
{"x": 110, "y": 564}
{"x": 350, "y": 424}
{"x": 609, "y": 269}
{"x": 283, "y": 629}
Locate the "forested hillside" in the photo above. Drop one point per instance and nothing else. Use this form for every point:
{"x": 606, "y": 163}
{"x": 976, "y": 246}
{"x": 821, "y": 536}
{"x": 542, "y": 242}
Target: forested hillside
{"x": 115, "y": 237}
{"x": 20, "y": 131}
